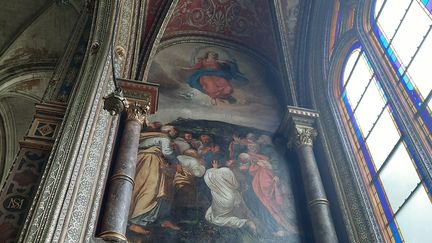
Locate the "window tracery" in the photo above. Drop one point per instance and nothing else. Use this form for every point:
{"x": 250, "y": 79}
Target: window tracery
{"x": 397, "y": 181}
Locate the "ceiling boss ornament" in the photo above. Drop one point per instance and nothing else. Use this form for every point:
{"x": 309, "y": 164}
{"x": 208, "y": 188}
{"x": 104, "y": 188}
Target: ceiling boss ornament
{"x": 115, "y": 103}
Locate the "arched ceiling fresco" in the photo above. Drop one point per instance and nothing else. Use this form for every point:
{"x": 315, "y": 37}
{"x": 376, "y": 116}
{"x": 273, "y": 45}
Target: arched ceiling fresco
{"x": 239, "y": 32}
{"x": 244, "y": 22}
{"x": 238, "y": 92}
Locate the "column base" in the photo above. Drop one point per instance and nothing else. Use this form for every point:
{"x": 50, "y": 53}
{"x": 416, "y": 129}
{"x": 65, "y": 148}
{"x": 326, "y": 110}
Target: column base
{"x": 112, "y": 236}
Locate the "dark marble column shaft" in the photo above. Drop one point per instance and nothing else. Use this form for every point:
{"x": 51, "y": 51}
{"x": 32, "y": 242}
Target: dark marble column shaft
{"x": 318, "y": 204}
{"x": 298, "y": 126}
{"x": 121, "y": 182}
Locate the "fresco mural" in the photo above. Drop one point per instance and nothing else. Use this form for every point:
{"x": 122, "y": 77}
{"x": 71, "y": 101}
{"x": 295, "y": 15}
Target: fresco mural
{"x": 209, "y": 181}
{"x": 212, "y": 77}
{"x": 201, "y": 81}
{"x": 243, "y": 21}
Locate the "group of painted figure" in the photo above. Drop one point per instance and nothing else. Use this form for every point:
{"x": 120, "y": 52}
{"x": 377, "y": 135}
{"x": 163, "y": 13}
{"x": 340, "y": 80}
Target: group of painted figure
{"x": 238, "y": 186}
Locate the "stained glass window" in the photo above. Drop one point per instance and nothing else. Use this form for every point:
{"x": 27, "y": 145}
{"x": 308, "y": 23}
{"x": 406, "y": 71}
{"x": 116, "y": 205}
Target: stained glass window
{"x": 403, "y": 29}
{"x": 392, "y": 170}
{"x": 335, "y": 25}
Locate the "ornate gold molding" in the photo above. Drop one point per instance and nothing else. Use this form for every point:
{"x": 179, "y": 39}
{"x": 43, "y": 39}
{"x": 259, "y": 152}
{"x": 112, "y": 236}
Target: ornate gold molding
{"x": 138, "y": 111}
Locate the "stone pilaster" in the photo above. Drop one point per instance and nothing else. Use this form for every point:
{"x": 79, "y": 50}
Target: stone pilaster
{"x": 299, "y": 128}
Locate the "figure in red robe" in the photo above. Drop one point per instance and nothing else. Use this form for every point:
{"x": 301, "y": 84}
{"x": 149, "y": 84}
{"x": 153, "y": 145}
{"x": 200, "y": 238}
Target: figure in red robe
{"x": 212, "y": 77}
{"x": 268, "y": 189}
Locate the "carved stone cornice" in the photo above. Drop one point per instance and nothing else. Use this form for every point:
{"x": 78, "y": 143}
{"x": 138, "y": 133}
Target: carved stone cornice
{"x": 143, "y": 94}
{"x": 138, "y": 111}
{"x": 136, "y": 99}
{"x": 298, "y": 126}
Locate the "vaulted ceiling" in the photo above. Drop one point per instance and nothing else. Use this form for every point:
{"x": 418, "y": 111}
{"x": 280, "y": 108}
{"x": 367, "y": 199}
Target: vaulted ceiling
{"x": 244, "y": 22}
{"x": 249, "y": 23}
{"x": 20, "y": 16}
{"x": 33, "y": 37}
{"x": 34, "y": 33}
{"x": 16, "y": 16}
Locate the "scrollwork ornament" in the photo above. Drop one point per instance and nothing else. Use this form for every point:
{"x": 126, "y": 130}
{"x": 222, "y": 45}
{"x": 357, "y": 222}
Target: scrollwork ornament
{"x": 138, "y": 112}
{"x": 302, "y": 136}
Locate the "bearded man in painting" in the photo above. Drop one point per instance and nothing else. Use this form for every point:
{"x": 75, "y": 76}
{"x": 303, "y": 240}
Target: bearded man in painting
{"x": 153, "y": 191}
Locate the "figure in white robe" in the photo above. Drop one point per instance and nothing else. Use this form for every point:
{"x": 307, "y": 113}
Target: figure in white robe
{"x": 227, "y": 207}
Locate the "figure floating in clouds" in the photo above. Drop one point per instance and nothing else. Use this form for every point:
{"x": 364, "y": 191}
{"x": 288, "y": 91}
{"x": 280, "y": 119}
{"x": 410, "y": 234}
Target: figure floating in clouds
{"x": 213, "y": 77}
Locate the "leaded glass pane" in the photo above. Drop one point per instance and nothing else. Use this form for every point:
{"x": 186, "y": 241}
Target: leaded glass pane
{"x": 391, "y": 15}
{"x": 378, "y": 5}
{"x": 358, "y": 81}
{"x": 382, "y": 139}
{"x": 430, "y": 104}
{"x": 369, "y": 108}
{"x": 420, "y": 68}
{"x": 415, "y": 218}
{"x": 399, "y": 166}
{"x": 350, "y": 64}
{"x": 411, "y": 32}
{"x": 356, "y": 89}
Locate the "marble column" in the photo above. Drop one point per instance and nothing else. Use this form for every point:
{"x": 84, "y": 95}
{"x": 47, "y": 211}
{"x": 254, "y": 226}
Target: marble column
{"x": 301, "y": 134}
{"x": 121, "y": 181}
{"x": 135, "y": 101}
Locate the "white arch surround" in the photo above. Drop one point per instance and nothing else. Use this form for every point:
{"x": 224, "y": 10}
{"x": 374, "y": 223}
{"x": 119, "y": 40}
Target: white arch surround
{"x": 18, "y": 94}
{"x": 8, "y": 141}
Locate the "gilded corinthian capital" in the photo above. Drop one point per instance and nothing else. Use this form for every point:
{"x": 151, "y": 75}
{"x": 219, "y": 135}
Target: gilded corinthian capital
{"x": 301, "y": 136}
{"x": 138, "y": 111}
{"x": 298, "y": 126}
